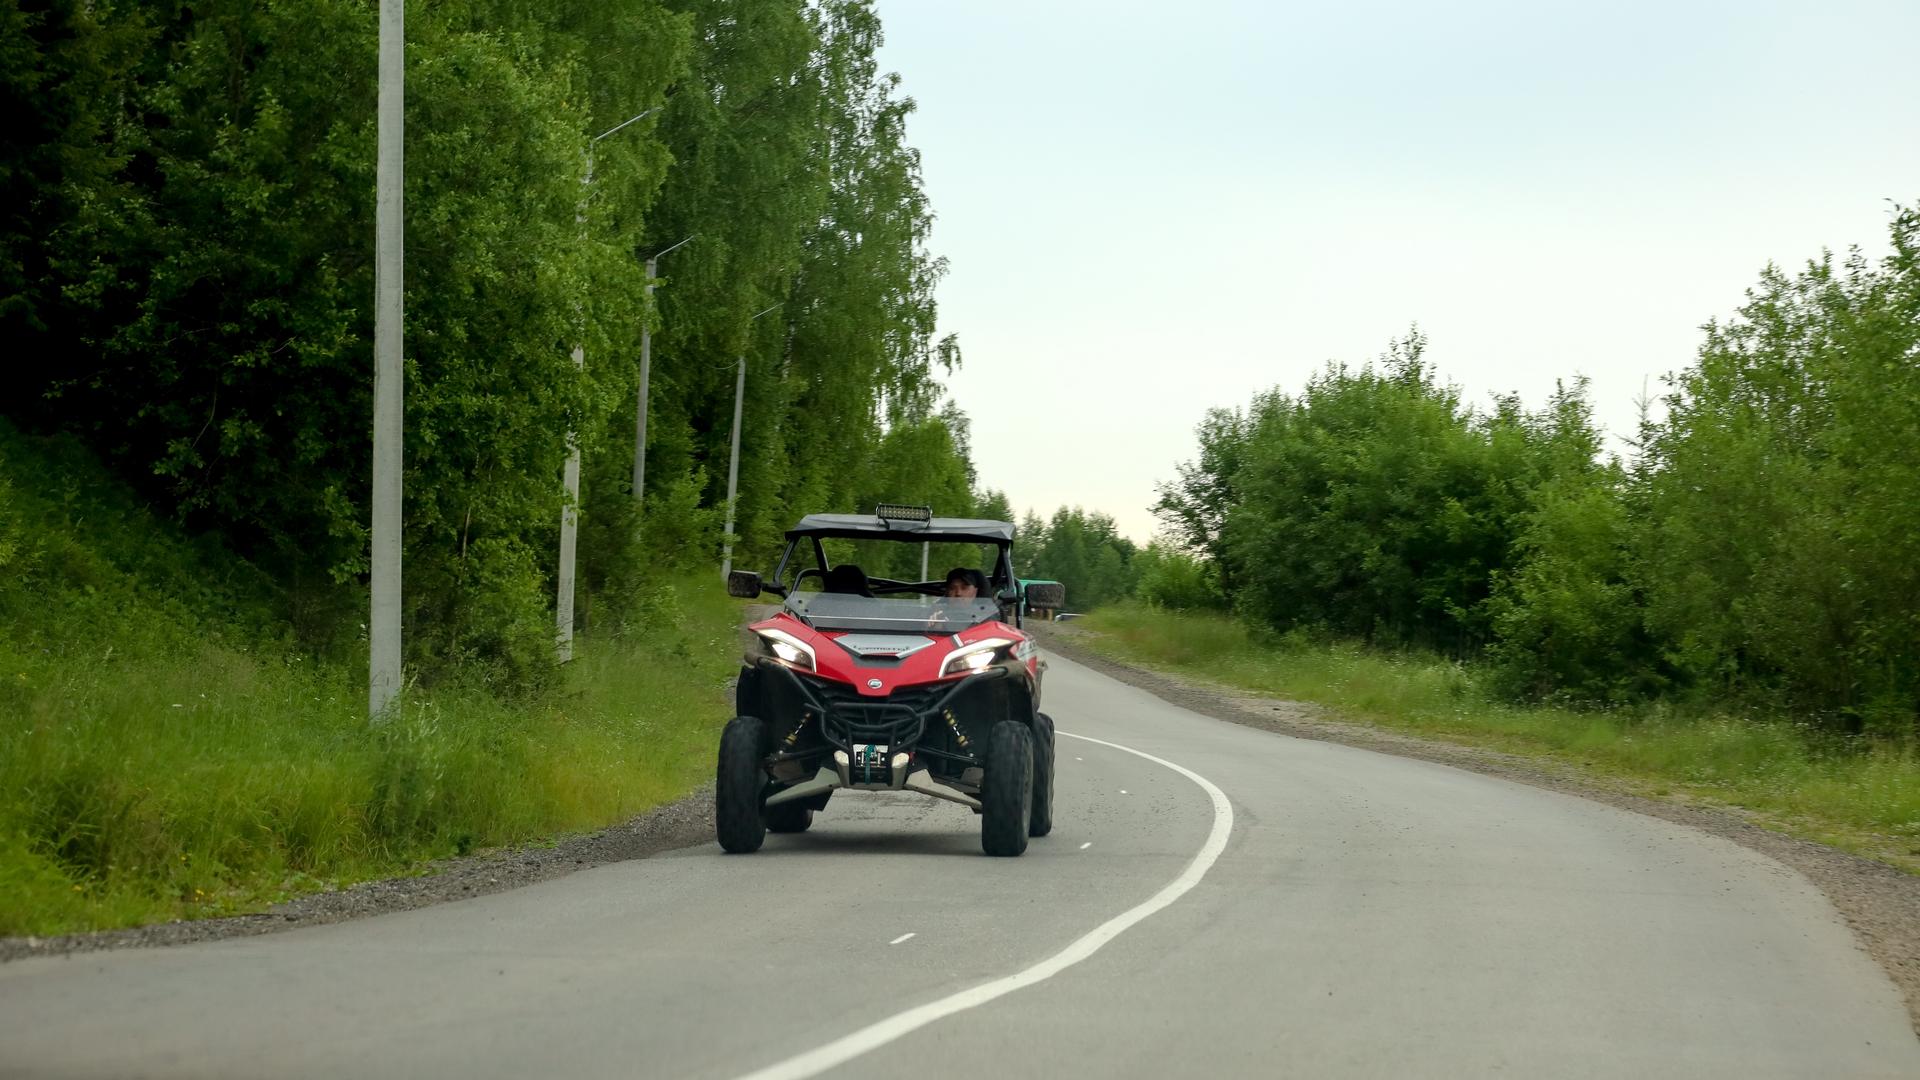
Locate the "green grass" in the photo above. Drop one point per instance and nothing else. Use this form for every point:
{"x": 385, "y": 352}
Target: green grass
{"x": 218, "y": 782}
{"x": 166, "y": 752}
{"x": 1861, "y": 795}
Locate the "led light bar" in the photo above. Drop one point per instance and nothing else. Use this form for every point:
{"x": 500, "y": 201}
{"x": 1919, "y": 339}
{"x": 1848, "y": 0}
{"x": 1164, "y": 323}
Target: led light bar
{"x": 901, "y": 512}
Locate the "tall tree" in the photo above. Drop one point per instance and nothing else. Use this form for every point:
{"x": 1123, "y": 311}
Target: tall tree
{"x": 190, "y": 244}
{"x": 1779, "y": 540}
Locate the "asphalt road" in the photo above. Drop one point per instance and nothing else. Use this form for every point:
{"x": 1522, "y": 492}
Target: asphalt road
{"x": 1247, "y": 905}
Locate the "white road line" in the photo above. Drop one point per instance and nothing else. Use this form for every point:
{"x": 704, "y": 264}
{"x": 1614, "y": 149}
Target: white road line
{"x": 1086, "y": 845}
{"x": 1123, "y": 791}
{"x": 899, "y": 939}
{"x": 873, "y": 1036}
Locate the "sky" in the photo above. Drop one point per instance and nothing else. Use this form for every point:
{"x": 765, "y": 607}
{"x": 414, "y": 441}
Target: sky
{"x": 1150, "y": 210}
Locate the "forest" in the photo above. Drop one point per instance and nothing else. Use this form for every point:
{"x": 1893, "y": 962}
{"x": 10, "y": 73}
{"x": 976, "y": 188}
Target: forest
{"x": 188, "y": 227}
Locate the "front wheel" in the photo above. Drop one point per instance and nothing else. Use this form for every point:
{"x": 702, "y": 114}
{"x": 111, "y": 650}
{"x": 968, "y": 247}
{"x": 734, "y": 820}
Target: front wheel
{"x": 739, "y": 820}
{"x": 1006, "y": 799}
{"x": 1041, "y": 821}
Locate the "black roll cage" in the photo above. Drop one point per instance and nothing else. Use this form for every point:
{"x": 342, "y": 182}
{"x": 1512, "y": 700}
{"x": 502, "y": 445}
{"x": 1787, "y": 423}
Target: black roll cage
{"x": 1006, "y": 588}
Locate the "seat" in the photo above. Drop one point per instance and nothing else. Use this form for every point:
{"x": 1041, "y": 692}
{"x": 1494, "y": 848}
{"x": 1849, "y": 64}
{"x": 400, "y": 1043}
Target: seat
{"x": 848, "y": 579}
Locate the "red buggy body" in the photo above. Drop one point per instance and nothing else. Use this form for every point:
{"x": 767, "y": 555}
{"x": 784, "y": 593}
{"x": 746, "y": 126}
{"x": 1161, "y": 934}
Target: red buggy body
{"x": 871, "y": 683}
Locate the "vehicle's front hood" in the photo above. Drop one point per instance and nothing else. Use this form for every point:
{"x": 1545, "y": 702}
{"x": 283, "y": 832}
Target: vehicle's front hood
{"x": 877, "y": 663}
{"x": 883, "y": 646}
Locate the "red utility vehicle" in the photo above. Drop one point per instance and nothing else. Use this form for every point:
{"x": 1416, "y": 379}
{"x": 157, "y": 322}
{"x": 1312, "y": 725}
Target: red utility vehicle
{"x": 876, "y": 684}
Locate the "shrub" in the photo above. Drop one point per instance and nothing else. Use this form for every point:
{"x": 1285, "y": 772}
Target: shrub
{"x": 1177, "y": 581}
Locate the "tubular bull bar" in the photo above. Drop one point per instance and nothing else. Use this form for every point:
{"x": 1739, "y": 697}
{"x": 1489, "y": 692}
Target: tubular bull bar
{"x": 850, "y": 724}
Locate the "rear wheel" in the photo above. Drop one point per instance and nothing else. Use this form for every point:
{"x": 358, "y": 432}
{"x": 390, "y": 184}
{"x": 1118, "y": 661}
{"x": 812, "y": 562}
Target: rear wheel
{"x": 739, "y": 820}
{"x": 789, "y": 817}
{"x": 1040, "y": 821}
{"x": 1006, "y": 798}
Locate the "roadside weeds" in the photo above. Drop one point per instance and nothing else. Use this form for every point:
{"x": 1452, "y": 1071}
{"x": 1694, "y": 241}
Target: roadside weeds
{"x": 668, "y": 827}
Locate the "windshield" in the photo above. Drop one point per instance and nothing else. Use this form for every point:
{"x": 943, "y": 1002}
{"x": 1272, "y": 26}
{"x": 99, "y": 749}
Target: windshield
{"x": 897, "y": 559}
{"x": 916, "y": 614}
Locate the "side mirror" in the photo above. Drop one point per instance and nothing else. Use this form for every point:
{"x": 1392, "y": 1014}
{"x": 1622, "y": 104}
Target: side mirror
{"x": 1048, "y": 597}
{"x": 744, "y": 584}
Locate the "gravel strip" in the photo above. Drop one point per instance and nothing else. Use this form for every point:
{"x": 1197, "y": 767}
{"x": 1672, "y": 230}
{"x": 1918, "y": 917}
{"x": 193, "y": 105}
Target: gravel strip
{"x": 1880, "y": 903}
{"x": 680, "y": 824}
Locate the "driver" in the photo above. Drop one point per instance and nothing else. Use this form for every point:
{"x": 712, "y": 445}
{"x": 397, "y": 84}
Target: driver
{"x": 965, "y": 583}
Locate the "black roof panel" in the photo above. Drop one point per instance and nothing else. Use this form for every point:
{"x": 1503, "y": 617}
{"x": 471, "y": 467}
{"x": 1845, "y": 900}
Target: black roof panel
{"x": 869, "y": 527}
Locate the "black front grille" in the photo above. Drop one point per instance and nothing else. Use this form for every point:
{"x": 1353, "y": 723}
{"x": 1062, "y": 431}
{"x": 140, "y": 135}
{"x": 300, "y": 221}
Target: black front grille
{"x": 895, "y": 720}
{"x": 944, "y": 723}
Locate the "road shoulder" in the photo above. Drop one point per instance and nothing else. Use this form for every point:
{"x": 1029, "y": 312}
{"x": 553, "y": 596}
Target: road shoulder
{"x": 1881, "y": 904}
{"x": 668, "y": 827}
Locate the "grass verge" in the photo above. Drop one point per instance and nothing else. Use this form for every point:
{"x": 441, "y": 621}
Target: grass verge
{"x": 1859, "y": 795}
{"x": 220, "y": 782}
{"x": 166, "y": 752}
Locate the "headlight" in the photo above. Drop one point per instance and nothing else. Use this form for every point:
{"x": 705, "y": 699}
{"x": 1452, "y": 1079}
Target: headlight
{"x": 978, "y": 656}
{"x": 789, "y": 649}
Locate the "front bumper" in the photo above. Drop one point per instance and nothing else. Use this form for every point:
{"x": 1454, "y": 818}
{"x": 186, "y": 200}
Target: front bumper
{"x": 829, "y": 779}
{"x": 848, "y": 719}
{"x": 939, "y": 724}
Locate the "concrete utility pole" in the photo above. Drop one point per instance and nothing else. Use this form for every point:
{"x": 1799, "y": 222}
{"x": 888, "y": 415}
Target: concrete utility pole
{"x": 569, "y": 537}
{"x": 640, "y": 397}
{"x": 389, "y": 281}
{"x": 570, "y": 513}
{"x": 646, "y": 373}
{"x": 733, "y": 462}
